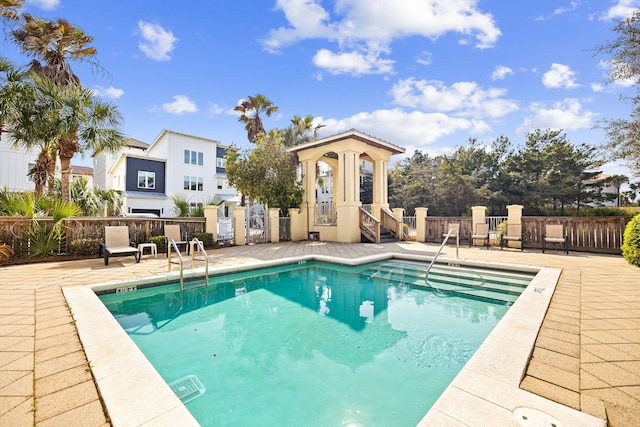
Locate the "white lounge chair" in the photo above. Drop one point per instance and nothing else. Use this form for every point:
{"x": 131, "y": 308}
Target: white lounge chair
{"x": 555, "y": 234}
{"x": 172, "y": 232}
{"x": 514, "y": 234}
{"x": 481, "y": 233}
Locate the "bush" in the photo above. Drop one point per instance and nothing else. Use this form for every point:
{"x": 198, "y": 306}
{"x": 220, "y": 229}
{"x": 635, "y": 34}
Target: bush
{"x": 159, "y": 241}
{"x": 85, "y": 247}
{"x": 501, "y": 230}
{"x": 205, "y": 238}
{"x": 631, "y": 244}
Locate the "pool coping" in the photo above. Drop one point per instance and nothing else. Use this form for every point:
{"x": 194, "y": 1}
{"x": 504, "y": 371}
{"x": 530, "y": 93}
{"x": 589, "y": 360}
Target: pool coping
{"x": 486, "y": 391}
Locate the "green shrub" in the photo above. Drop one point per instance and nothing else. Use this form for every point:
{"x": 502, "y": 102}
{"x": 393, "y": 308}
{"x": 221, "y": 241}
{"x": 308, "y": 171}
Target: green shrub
{"x": 85, "y": 247}
{"x": 501, "y": 230}
{"x": 205, "y": 238}
{"x": 159, "y": 241}
{"x": 631, "y": 244}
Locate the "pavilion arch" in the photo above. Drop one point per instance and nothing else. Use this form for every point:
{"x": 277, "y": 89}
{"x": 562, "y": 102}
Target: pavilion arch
{"x": 343, "y": 153}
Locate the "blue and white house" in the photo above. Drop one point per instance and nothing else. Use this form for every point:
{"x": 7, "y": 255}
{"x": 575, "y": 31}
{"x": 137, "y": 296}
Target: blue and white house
{"x": 175, "y": 163}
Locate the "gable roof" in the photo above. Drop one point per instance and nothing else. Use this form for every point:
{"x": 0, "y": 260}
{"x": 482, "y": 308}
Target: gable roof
{"x": 354, "y": 134}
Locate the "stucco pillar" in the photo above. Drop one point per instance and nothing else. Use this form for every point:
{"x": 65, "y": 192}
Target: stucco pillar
{"x": 274, "y": 225}
{"x": 211, "y": 221}
{"x": 514, "y": 216}
{"x": 239, "y": 231}
{"x": 348, "y": 202}
{"x": 421, "y": 224}
{"x": 398, "y": 213}
{"x": 380, "y": 196}
{"x": 298, "y": 224}
{"x": 477, "y": 217}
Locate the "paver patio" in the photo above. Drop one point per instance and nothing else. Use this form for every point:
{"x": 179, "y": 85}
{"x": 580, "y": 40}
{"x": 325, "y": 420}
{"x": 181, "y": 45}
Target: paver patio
{"x": 587, "y": 355}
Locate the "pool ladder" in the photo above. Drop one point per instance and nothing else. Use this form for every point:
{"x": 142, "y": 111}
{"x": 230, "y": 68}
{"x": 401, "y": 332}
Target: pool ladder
{"x": 444, "y": 242}
{"x": 195, "y": 246}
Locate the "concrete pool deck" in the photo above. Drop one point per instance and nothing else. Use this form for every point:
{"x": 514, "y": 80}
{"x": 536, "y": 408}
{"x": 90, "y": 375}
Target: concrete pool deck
{"x": 587, "y": 353}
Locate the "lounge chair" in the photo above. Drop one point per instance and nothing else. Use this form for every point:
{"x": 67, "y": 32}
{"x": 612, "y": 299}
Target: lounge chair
{"x": 555, "y": 234}
{"x": 117, "y": 242}
{"x": 481, "y": 233}
{"x": 514, "y": 234}
{"x": 455, "y": 233}
{"x": 172, "y": 232}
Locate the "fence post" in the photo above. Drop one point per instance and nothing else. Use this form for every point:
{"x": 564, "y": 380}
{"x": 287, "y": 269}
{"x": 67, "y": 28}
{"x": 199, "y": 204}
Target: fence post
{"x": 274, "y": 225}
{"x": 421, "y": 224}
{"x": 211, "y": 221}
{"x": 477, "y": 217}
{"x": 239, "y": 230}
{"x": 514, "y": 216}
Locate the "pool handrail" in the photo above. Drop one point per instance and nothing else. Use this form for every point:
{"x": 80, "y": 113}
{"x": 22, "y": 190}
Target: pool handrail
{"x": 198, "y": 244}
{"x": 444, "y": 242}
{"x": 173, "y": 246}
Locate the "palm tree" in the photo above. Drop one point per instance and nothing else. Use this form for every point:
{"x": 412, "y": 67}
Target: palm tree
{"x": 18, "y": 107}
{"x": 53, "y": 43}
{"x": 81, "y": 122}
{"x": 9, "y": 9}
{"x": 250, "y": 116}
{"x": 616, "y": 181}
{"x": 300, "y": 131}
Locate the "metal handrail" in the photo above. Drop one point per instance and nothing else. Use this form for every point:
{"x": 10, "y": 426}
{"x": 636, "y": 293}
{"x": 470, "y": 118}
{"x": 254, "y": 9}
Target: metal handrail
{"x": 444, "y": 242}
{"x": 196, "y": 242}
{"x": 173, "y": 246}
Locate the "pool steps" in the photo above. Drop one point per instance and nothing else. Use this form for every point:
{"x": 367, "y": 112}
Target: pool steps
{"x": 493, "y": 285}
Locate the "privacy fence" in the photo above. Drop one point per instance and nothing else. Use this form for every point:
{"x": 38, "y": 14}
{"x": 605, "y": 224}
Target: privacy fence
{"x": 584, "y": 234}
{"x": 18, "y": 231}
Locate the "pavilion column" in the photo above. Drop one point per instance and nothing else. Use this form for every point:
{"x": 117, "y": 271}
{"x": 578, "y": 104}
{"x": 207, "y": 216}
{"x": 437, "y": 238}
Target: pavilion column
{"x": 346, "y": 188}
{"x": 380, "y": 195}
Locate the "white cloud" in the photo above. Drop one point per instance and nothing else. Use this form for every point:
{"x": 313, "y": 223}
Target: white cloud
{"x": 44, "y": 4}
{"x": 501, "y": 72}
{"x": 567, "y": 114}
{"x": 559, "y": 76}
{"x": 356, "y": 63}
{"x": 157, "y": 43}
{"x": 597, "y": 87}
{"x": 215, "y": 110}
{"x": 406, "y": 129}
{"x": 622, "y": 10}
{"x": 564, "y": 9}
{"x": 109, "y": 92}
{"x": 357, "y": 26}
{"x": 424, "y": 58}
{"x": 462, "y": 98}
{"x": 181, "y": 104}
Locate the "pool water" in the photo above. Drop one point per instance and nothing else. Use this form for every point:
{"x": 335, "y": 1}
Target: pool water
{"x": 312, "y": 344}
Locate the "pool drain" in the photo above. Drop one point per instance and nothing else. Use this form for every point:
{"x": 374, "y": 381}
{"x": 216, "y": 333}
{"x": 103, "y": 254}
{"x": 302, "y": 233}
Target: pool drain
{"x": 529, "y": 417}
{"x": 187, "y": 388}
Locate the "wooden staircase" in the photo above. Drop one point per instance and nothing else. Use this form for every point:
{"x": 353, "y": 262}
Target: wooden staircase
{"x": 386, "y": 229}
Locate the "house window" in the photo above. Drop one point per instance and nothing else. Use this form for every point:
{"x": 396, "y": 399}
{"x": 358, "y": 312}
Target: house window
{"x": 146, "y": 180}
{"x": 29, "y": 167}
{"x": 219, "y": 186}
{"x": 193, "y": 183}
{"x": 193, "y": 157}
{"x": 221, "y": 162}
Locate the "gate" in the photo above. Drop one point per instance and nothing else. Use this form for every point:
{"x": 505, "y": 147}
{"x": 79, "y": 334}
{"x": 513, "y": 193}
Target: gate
{"x": 256, "y": 224}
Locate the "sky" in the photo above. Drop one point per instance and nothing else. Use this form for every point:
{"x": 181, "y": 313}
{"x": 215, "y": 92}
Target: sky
{"x": 424, "y": 75}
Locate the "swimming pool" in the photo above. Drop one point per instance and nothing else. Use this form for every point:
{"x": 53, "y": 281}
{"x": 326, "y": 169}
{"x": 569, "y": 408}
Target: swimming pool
{"x": 335, "y": 345}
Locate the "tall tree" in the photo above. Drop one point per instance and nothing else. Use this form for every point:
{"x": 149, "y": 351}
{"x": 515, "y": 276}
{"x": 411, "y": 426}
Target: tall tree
{"x": 616, "y": 181}
{"x": 300, "y": 131}
{"x": 53, "y": 44}
{"x": 9, "y": 9}
{"x": 624, "y": 134}
{"x": 267, "y": 173}
{"x": 250, "y": 110}
{"x": 81, "y": 123}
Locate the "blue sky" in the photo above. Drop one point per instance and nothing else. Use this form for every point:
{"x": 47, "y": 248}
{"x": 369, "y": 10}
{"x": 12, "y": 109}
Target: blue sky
{"x": 419, "y": 74}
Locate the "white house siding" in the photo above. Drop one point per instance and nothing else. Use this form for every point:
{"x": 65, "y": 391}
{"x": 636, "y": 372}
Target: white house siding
{"x": 14, "y": 165}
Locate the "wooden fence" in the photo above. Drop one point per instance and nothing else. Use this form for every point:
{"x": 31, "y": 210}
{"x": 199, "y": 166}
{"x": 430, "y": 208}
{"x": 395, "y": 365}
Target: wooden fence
{"x": 14, "y": 231}
{"x": 584, "y": 234}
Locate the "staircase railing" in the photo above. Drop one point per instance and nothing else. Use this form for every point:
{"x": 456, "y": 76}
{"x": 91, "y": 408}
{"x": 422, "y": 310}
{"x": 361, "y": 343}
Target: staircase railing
{"x": 198, "y": 247}
{"x": 369, "y": 226}
{"x": 444, "y": 242}
{"x": 174, "y": 247}
{"x": 391, "y": 223}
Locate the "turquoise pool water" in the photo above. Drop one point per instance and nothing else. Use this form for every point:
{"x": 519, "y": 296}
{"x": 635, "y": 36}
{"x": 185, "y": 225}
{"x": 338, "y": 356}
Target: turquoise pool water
{"x": 316, "y": 344}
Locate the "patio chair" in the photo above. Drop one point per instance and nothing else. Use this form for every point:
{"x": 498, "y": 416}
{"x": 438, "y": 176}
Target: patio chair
{"x": 172, "y": 232}
{"x": 481, "y": 233}
{"x": 514, "y": 234}
{"x": 117, "y": 242}
{"x": 555, "y": 234}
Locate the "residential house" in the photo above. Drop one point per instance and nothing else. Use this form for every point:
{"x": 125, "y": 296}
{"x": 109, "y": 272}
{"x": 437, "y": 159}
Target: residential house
{"x": 175, "y": 164}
